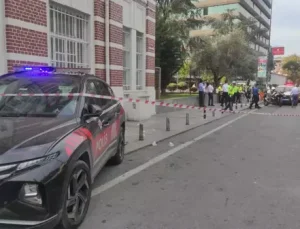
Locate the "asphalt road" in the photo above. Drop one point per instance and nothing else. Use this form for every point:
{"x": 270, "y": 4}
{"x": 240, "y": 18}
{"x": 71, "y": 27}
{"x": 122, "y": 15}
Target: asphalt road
{"x": 239, "y": 172}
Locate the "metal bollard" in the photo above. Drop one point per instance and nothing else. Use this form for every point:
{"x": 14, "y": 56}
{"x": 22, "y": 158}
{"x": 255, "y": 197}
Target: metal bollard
{"x": 236, "y": 106}
{"x": 241, "y": 105}
{"x": 214, "y": 113}
{"x": 141, "y": 132}
{"x": 168, "y": 124}
{"x": 187, "y": 119}
{"x": 204, "y": 113}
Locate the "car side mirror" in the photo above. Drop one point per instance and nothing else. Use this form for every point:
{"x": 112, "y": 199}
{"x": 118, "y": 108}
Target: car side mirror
{"x": 93, "y": 110}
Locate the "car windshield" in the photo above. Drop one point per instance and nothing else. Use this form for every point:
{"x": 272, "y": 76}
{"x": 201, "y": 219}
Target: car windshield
{"x": 283, "y": 89}
{"x": 38, "y": 106}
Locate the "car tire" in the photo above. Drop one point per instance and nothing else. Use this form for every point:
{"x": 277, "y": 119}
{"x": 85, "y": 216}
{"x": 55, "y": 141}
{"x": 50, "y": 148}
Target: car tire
{"x": 120, "y": 152}
{"x": 78, "y": 175}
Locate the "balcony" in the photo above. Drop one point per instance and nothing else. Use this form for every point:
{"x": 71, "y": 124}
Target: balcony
{"x": 255, "y": 14}
{"x": 268, "y": 3}
{"x": 265, "y": 9}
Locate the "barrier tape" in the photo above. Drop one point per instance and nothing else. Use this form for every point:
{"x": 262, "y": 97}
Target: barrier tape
{"x": 150, "y": 102}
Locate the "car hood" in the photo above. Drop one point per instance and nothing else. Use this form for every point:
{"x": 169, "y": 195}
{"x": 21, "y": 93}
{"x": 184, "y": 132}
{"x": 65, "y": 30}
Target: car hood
{"x": 28, "y": 138}
{"x": 287, "y": 93}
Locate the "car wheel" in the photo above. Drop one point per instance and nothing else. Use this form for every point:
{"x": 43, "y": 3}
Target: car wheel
{"x": 77, "y": 196}
{"x": 120, "y": 153}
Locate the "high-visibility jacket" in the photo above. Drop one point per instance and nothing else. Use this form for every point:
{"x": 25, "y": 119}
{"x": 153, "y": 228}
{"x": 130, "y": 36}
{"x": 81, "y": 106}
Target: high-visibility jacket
{"x": 235, "y": 89}
{"x": 241, "y": 89}
{"x": 230, "y": 90}
{"x": 219, "y": 89}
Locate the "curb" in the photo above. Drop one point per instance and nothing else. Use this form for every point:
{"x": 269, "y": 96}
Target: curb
{"x": 182, "y": 132}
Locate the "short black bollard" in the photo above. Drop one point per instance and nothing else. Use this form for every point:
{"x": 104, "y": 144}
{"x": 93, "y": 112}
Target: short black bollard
{"x": 168, "y": 124}
{"x": 241, "y": 105}
{"x": 214, "y": 113}
{"x": 187, "y": 119}
{"x": 204, "y": 113}
{"x": 236, "y": 107}
{"x": 141, "y": 132}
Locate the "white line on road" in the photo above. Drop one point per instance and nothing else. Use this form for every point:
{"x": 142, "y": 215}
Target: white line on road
{"x": 159, "y": 158}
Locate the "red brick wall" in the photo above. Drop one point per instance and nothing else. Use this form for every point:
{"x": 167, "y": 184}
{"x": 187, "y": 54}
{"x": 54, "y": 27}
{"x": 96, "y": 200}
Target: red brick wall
{"x": 26, "y": 41}
{"x": 99, "y": 54}
{"x": 33, "y": 11}
{"x": 116, "y": 36}
{"x": 13, "y": 63}
{"x": 99, "y": 8}
{"x": 150, "y": 43}
{"x": 150, "y": 79}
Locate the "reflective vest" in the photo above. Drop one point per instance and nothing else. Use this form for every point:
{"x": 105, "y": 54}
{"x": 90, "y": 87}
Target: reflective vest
{"x": 241, "y": 89}
{"x": 219, "y": 89}
{"x": 235, "y": 89}
{"x": 230, "y": 90}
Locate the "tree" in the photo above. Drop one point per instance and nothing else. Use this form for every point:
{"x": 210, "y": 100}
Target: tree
{"x": 232, "y": 20}
{"x": 225, "y": 55}
{"x": 174, "y": 20}
{"x": 292, "y": 67}
{"x": 287, "y": 59}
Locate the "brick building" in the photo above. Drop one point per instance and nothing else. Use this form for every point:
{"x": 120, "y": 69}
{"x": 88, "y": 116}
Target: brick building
{"x": 114, "y": 39}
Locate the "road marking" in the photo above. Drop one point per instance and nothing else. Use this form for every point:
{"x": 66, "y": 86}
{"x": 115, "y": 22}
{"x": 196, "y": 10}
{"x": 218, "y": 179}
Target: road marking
{"x": 159, "y": 158}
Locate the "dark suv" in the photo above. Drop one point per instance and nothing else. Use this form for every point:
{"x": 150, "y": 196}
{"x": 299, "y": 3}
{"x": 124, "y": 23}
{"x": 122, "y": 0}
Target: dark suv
{"x": 56, "y": 133}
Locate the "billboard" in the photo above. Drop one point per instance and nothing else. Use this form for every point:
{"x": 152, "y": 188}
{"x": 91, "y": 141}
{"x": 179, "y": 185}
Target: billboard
{"x": 277, "y": 51}
{"x": 262, "y": 67}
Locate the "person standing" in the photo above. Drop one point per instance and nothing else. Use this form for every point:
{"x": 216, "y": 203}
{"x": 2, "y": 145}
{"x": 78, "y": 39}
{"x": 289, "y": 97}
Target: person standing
{"x": 225, "y": 94}
{"x": 201, "y": 89}
{"x": 220, "y": 93}
{"x": 295, "y": 96}
{"x": 210, "y": 92}
{"x": 255, "y": 97}
{"x": 230, "y": 98}
{"x": 235, "y": 91}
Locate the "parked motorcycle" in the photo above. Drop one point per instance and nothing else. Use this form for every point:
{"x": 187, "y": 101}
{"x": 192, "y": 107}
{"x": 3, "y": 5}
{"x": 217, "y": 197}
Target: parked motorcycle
{"x": 274, "y": 98}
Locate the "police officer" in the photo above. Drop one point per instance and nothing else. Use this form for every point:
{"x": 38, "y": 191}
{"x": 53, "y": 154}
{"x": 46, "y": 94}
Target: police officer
{"x": 220, "y": 92}
{"x": 230, "y": 98}
{"x": 255, "y": 97}
{"x": 239, "y": 94}
{"x": 235, "y": 91}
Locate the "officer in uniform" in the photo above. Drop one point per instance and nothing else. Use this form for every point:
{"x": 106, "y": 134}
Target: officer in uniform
{"x": 235, "y": 91}
{"x": 230, "y": 101}
{"x": 220, "y": 94}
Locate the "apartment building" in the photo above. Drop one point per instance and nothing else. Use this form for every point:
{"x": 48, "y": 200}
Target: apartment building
{"x": 260, "y": 10}
{"x": 113, "y": 39}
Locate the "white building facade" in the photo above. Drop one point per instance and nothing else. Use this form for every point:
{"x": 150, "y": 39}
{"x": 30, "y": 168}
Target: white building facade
{"x": 113, "y": 39}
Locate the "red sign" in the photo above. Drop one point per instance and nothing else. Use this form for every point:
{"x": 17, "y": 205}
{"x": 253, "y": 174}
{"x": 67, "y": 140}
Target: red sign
{"x": 277, "y": 51}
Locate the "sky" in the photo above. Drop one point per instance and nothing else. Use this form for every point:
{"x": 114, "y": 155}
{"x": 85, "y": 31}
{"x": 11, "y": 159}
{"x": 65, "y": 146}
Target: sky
{"x": 286, "y": 25}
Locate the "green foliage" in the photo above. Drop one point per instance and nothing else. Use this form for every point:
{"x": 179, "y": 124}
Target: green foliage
{"x": 174, "y": 20}
{"x": 292, "y": 67}
{"x": 184, "y": 71}
{"x": 225, "y": 55}
{"x": 182, "y": 86}
{"x": 172, "y": 86}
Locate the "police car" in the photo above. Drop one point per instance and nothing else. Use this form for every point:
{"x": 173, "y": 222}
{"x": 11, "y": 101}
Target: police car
{"x": 53, "y": 142}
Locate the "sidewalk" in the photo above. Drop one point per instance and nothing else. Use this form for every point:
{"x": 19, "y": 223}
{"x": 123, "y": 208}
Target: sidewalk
{"x": 155, "y": 127}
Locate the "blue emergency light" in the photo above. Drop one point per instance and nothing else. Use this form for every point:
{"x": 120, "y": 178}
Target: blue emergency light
{"x": 43, "y": 69}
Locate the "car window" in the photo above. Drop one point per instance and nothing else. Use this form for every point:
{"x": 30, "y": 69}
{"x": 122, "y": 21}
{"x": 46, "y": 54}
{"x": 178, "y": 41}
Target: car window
{"x": 25, "y": 83}
{"x": 99, "y": 88}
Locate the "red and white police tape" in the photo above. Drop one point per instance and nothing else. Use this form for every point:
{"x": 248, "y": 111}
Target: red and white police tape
{"x": 150, "y": 102}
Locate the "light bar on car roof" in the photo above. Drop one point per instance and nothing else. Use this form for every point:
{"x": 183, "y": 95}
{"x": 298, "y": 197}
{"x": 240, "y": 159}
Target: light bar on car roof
{"x": 35, "y": 68}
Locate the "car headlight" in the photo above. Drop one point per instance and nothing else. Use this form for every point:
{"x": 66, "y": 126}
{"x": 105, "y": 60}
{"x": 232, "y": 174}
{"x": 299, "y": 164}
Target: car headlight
{"x": 36, "y": 162}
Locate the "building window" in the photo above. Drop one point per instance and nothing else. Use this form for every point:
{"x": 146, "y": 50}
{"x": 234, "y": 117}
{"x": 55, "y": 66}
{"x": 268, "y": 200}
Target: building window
{"x": 126, "y": 59}
{"x": 69, "y": 38}
{"x": 139, "y": 60}
{"x": 205, "y": 11}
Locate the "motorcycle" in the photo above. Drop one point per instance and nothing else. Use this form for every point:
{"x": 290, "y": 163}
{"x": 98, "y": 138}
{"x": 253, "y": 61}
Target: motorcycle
{"x": 274, "y": 98}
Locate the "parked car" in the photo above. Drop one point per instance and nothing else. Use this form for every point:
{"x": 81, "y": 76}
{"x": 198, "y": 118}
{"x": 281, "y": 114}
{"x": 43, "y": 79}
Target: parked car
{"x": 52, "y": 146}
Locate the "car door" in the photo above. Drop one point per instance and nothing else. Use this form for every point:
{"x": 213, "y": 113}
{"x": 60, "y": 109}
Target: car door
{"x": 98, "y": 126}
